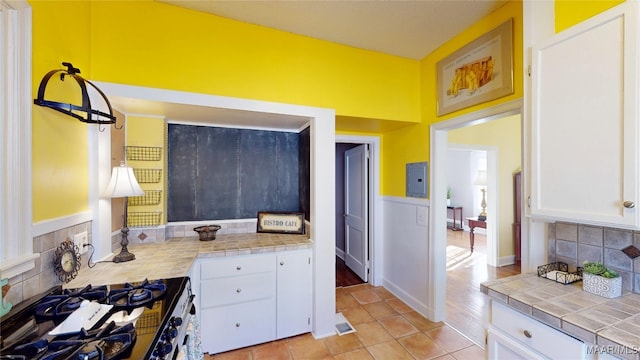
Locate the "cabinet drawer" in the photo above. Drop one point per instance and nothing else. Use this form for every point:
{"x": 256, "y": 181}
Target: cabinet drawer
{"x": 236, "y": 266}
{"x": 535, "y": 334}
{"x": 237, "y": 289}
{"x": 235, "y": 326}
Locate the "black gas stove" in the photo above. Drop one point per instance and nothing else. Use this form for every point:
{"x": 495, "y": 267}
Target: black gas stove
{"x": 32, "y": 329}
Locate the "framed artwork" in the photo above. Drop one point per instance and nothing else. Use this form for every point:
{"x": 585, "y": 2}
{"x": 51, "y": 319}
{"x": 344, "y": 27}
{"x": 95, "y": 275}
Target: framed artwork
{"x": 480, "y": 71}
{"x": 280, "y": 222}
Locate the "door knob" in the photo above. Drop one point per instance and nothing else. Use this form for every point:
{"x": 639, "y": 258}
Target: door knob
{"x": 629, "y": 204}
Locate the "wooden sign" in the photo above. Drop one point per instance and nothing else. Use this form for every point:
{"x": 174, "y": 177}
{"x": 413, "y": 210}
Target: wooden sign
{"x": 279, "y": 222}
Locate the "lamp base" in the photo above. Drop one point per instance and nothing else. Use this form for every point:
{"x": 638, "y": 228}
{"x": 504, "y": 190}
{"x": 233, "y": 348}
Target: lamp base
{"x": 124, "y": 256}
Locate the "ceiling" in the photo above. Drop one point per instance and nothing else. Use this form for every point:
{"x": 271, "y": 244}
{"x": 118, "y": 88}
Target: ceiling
{"x": 411, "y": 29}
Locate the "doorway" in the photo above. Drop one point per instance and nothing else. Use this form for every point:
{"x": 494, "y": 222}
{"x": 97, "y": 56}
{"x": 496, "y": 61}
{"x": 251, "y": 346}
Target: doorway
{"x": 437, "y": 276}
{"x": 357, "y": 260}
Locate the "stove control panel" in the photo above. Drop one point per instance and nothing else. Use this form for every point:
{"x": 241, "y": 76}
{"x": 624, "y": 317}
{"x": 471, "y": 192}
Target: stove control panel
{"x": 171, "y": 337}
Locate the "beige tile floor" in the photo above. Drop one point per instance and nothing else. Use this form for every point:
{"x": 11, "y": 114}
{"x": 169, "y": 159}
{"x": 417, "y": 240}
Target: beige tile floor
{"x": 386, "y": 328}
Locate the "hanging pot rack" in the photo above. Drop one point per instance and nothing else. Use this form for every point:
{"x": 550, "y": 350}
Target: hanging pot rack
{"x": 84, "y": 112}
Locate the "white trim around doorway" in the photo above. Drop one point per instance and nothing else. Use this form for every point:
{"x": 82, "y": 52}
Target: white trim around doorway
{"x": 375, "y": 205}
{"x": 437, "y": 276}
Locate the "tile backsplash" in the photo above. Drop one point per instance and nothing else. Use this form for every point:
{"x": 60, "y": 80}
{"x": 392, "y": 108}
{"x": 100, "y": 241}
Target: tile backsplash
{"x": 43, "y": 277}
{"x": 576, "y": 243}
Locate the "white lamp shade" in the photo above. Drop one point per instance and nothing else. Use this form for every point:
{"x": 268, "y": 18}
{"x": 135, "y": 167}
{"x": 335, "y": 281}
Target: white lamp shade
{"x": 481, "y": 178}
{"x": 123, "y": 183}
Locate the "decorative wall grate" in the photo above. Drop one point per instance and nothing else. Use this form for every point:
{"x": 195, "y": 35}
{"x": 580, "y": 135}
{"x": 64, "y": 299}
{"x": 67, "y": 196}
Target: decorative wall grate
{"x": 143, "y": 153}
{"x": 147, "y": 176}
{"x": 143, "y": 218}
{"x": 150, "y": 197}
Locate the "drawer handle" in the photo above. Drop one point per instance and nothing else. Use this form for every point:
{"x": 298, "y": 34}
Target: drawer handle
{"x": 238, "y": 267}
{"x": 237, "y": 324}
{"x": 238, "y": 290}
{"x": 528, "y": 334}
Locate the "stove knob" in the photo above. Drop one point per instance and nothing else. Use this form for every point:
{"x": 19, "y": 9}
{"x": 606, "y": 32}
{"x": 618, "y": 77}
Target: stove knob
{"x": 176, "y": 321}
{"x": 171, "y": 333}
{"x": 168, "y": 347}
{"x": 162, "y": 350}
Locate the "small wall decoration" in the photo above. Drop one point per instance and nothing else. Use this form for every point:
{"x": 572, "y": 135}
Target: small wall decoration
{"x": 480, "y": 71}
{"x": 279, "y": 222}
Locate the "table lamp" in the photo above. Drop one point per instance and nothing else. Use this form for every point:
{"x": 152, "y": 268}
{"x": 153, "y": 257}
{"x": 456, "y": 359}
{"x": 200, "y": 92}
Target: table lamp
{"x": 123, "y": 184}
{"x": 481, "y": 180}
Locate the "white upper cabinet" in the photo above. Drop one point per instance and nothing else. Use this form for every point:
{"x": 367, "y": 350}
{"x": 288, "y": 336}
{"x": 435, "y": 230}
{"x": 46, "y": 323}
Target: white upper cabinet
{"x": 584, "y": 119}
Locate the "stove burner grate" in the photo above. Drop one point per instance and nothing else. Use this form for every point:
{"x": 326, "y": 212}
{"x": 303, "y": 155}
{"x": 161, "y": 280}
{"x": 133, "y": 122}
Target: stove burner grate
{"x": 133, "y": 296}
{"x": 57, "y": 307}
{"x": 109, "y": 343}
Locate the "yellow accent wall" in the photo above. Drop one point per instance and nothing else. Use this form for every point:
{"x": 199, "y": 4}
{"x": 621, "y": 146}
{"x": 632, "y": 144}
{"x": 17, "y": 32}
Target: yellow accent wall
{"x": 174, "y": 48}
{"x": 411, "y": 144}
{"x": 149, "y": 132}
{"x": 572, "y": 12}
{"x": 505, "y": 135}
{"x": 60, "y": 143}
{"x": 151, "y": 44}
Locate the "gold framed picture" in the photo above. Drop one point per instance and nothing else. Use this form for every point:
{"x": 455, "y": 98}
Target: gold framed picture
{"x": 480, "y": 71}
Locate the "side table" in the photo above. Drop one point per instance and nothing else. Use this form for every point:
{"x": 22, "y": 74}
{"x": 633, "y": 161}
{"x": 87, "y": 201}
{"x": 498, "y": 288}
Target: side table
{"x": 457, "y": 210}
{"x": 474, "y": 223}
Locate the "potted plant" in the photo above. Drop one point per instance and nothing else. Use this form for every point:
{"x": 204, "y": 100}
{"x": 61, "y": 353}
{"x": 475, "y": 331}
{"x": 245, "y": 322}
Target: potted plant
{"x": 598, "y": 279}
{"x": 449, "y": 193}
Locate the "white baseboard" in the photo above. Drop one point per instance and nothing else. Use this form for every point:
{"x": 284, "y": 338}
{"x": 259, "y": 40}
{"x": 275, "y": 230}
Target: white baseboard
{"x": 506, "y": 260}
{"x": 412, "y": 302}
{"x": 340, "y": 253}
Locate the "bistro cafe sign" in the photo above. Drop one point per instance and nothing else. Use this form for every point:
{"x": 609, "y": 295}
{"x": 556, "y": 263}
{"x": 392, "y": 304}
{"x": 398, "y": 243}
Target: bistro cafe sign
{"x": 278, "y": 222}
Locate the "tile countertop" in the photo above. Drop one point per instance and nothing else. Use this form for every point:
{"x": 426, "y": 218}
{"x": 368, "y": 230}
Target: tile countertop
{"x": 174, "y": 257}
{"x": 611, "y": 323}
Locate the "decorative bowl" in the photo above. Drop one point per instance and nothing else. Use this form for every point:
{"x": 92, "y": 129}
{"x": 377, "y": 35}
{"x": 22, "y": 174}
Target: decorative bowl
{"x": 207, "y": 232}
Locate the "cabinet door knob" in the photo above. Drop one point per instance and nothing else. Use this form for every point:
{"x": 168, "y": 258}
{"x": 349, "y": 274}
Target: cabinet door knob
{"x": 238, "y": 290}
{"x": 629, "y": 204}
{"x": 281, "y": 263}
{"x": 528, "y": 334}
{"x": 237, "y": 324}
{"x": 238, "y": 267}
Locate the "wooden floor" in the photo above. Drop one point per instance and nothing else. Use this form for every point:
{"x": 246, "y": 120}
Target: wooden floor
{"x": 345, "y": 276}
{"x": 465, "y": 272}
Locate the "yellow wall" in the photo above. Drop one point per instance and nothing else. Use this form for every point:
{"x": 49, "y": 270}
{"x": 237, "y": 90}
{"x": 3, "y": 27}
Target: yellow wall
{"x": 152, "y": 44}
{"x": 60, "y": 143}
{"x": 571, "y": 12}
{"x": 505, "y": 135}
{"x": 149, "y": 132}
{"x": 411, "y": 144}
{"x": 175, "y": 48}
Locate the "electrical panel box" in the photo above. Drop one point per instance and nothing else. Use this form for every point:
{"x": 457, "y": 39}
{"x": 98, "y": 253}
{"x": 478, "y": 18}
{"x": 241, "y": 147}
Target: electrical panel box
{"x": 417, "y": 179}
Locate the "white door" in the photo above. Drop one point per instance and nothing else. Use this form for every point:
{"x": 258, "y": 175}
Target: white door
{"x": 356, "y": 180}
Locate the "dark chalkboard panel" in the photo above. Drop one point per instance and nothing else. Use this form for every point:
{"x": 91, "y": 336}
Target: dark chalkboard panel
{"x": 304, "y": 175}
{"x": 224, "y": 173}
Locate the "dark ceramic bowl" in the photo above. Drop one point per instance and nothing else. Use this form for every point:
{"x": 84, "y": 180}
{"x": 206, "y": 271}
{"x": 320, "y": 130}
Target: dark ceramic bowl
{"x": 207, "y": 232}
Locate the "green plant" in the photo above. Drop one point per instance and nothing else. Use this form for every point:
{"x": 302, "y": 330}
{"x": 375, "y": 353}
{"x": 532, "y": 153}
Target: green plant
{"x": 597, "y": 268}
{"x": 449, "y": 192}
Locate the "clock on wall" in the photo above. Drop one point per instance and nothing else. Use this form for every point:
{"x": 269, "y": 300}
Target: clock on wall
{"x": 66, "y": 262}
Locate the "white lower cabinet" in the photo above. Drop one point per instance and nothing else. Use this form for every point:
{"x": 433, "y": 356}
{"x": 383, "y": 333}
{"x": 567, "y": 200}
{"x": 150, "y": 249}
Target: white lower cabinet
{"x": 512, "y": 335}
{"x": 247, "y": 300}
{"x": 293, "y": 293}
